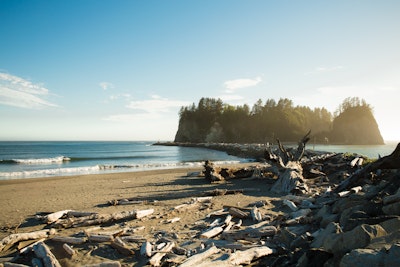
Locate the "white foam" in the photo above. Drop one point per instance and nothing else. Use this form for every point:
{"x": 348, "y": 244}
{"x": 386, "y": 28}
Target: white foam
{"x": 58, "y": 159}
{"x": 104, "y": 169}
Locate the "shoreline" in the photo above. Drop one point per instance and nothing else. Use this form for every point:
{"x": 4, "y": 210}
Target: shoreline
{"x": 23, "y": 198}
{"x": 318, "y": 220}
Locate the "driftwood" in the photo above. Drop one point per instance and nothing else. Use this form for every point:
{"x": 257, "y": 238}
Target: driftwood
{"x": 291, "y": 179}
{"x": 122, "y": 247}
{"x": 15, "y": 238}
{"x": 43, "y": 252}
{"x": 146, "y": 249}
{"x": 156, "y": 258}
{"x": 259, "y": 230}
{"x": 69, "y": 240}
{"x": 105, "y": 264}
{"x": 96, "y": 218}
{"x": 70, "y": 251}
{"x": 247, "y": 256}
{"x": 198, "y": 258}
{"x": 212, "y": 232}
{"x": 391, "y": 161}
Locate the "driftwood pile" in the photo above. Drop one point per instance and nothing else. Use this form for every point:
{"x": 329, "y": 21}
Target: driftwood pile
{"x": 344, "y": 213}
{"x": 334, "y": 212}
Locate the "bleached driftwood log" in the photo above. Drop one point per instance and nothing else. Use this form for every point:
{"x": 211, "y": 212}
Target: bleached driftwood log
{"x": 122, "y": 247}
{"x": 43, "y": 252}
{"x": 52, "y": 217}
{"x": 70, "y": 251}
{"x": 69, "y": 240}
{"x": 212, "y": 232}
{"x": 291, "y": 178}
{"x": 102, "y": 218}
{"x": 247, "y": 256}
{"x": 100, "y": 238}
{"x": 146, "y": 249}
{"x": 14, "y": 238}
{"x": 155, "y": 260}
{"x": 198, "y": 258}
{"x": 257, "y": 230}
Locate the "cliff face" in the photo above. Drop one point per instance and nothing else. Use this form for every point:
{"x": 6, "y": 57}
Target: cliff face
{"x": 356, "y": 126}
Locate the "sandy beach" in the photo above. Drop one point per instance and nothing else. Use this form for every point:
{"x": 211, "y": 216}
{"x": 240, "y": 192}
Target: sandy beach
{"x": 21, "y": 199}
{"x": 293, "y": 228}
{"x": 162, "y": 190}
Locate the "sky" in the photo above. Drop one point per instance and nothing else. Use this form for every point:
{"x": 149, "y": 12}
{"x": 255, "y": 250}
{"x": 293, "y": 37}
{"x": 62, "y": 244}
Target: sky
{"x": 121, "y": 70}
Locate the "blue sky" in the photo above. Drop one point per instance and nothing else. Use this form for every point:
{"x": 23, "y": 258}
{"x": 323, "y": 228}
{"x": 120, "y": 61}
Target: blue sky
{"x": 121, "y": 70}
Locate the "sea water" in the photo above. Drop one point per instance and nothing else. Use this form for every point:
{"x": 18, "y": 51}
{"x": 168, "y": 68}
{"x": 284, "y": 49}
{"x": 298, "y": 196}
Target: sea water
{"x": 47, "y": 159}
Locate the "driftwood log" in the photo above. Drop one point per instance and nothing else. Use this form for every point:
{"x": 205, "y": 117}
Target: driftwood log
{"x": 43, "y": 252}
{"x": 96, "y": 218}
{"x": 391, "y": 161}
{"x": 15, "y": 238}
{"x": 290, "y": 178}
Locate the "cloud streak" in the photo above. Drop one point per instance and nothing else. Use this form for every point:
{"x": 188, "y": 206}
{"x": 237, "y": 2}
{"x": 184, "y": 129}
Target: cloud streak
{"x": 18, "y": 92}
{"x": 319, "y": 70}
{"x": 233, "y": 85}
{"x": 106, "y": 85}
{"x": 157, "y": 104}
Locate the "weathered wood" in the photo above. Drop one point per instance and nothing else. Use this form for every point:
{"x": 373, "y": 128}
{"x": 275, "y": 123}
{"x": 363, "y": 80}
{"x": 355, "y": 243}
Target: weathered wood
{"x": 122, "y": 247}
{"x": 29, "y": 248}
{"x": 134, "y": 238}
{"x": 155, "y": 260}
{"x": 101, "y": 238}
{"x": 237, "y": 213}
{"x": 258, "y": 231}
{"x": 291, "y": 180}
{"x": 146, "y": 249}
{"x": 187, "y": 206}
{"x": 14, "y": 238}
{"x": 173, "y": 220}
{"x": 96, "y": 219}
{"x": 198, "y": 258}
{"x": 391, "y": 161}
{"x": 70, "y": 251}
{"x": 43, "y": 252}
{"x": 247, "y": 256}
{"x": 212, "y": 232}
{"x": 256, "y": 214}
{"x": 69, "y": 240}
{"x": 52, "y": 217}
{"x": 143, "y": 213}
{"x": 105, "y": 264}
{"x": 290, "y": 204}
{"x": 11, "y": 264}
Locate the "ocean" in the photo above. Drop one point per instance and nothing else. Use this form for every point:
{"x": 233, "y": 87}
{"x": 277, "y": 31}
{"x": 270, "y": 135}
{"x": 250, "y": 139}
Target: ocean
{"x": 50, "y": 159}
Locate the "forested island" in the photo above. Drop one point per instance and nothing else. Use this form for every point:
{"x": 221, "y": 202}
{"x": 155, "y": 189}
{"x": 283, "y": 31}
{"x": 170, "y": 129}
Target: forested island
{"x": 214, "y": 121}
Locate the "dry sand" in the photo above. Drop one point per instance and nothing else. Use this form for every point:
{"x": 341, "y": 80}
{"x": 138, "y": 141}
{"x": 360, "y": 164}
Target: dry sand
{"x": 22, "y": 199}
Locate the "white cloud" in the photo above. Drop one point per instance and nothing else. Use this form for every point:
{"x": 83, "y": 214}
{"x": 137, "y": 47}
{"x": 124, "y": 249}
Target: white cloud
{"x": 157, "y": 104}
{"x": 324, "y": 69}
{"x": 18, "y": 92}
{"x": 106, "y": 85}
{"x": 131, "y": 117}
{"x": 232, "y": 85}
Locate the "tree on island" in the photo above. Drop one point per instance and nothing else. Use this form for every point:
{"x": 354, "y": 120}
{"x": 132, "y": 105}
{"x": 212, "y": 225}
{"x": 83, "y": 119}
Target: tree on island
{"x": 213, "y": 121}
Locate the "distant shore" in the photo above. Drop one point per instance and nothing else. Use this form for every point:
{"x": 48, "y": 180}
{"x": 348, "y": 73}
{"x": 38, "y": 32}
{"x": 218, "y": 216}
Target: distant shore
{"x": 256, "y": 151}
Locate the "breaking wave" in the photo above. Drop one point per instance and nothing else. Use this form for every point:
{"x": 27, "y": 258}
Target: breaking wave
{"x": 98, "y": 169}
